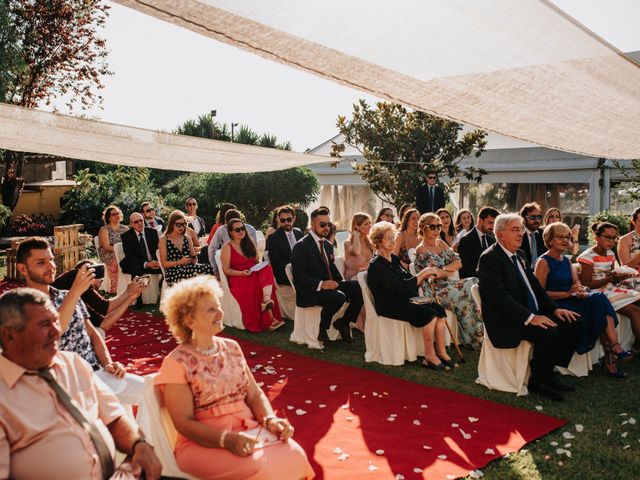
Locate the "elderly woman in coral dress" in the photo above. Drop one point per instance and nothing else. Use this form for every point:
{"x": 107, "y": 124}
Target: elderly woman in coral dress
{"x": 214, "y": 401}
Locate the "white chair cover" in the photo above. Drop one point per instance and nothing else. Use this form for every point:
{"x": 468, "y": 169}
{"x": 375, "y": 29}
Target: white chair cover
{"x": 341, "y": 237}
{"x": 286, "y": 300}
{"x": 157, "y": 425}
{"x": 164, "y": 275}
{"x": 504, "y": 369}
{"x": 105, "y": 286}
{"x": 340, "y": 264}
{"x": 230, "y": 306}
{"x": 149, "y": 294}
{"x": 262, "y": 243}
{"x": 388, "y": 341}
{"x": 306, "y": 322}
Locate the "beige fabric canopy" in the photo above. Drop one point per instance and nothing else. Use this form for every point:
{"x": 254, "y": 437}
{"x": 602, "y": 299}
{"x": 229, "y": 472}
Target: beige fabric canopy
{"x": 40, "y": 132}
{"x": 517, "y": 68}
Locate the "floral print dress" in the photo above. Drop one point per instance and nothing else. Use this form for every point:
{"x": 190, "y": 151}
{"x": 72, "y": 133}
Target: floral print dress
{"x": 454, "y": 295}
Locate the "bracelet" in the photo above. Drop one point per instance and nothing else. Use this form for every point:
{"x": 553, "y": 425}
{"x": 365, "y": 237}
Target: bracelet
{"x": 266, "y": 419}
{"x": 138, "y": 442}
{"x": 222, "y": 437}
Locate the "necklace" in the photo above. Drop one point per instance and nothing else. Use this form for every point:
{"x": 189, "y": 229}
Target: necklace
{"x": 207, "y": 352}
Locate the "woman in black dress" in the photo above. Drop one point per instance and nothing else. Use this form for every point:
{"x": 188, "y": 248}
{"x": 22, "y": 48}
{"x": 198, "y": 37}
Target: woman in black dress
{"x": 392, "y": 288}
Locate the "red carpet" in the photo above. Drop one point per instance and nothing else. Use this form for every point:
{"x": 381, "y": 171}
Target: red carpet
{"x": 354, "y": 423}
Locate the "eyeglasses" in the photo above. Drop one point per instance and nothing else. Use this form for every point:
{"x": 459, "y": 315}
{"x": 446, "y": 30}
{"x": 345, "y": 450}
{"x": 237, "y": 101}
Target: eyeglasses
{"x": 324, "y": 224}
{"x": 180, "y": 224}
{"x": 150, "y": 209}
{"x": 613, "y": 239}
{"x": 517, "y": 230}
{"x": 238, "y": 229}
{"x": 136, "y": 221}
{"x": 191, "y": 203}
{"x": 114, "y": 214}
{"x": 435, "y": 226}
{"x": 286, "y": 220}
{"x": 534, "y": 217}
{"x": 564, "y": 237}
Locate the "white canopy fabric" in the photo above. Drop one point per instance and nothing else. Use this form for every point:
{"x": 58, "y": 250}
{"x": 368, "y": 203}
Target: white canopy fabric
{"x": 522, "y": 69}
{"x": 34, "y": 131}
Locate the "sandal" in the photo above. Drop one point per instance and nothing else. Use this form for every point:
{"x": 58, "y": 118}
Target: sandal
{"x": 276, "y": 325}
{"x": 610, "y": 363}
{"x": 439, "y": 367}
{"x": 624, "y": 355}
{"x": 268, "y": 305}
{"x": 448, "y": 362}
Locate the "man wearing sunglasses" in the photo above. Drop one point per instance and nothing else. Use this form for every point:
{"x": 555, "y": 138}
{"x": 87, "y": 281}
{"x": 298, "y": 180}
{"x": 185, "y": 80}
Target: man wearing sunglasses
{"x": 430, "y": 196}
{"x": 279, "y": 246}
{"x": 319, "y": 283}
{"x": 532, "y": 244}
{"x": 150, "y": 219}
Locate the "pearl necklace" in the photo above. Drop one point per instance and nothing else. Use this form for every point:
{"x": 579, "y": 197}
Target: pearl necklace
{"x": 214, "y": 349}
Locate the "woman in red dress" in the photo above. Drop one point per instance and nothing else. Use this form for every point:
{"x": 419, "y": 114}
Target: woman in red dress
{"x": 254, "y": 291}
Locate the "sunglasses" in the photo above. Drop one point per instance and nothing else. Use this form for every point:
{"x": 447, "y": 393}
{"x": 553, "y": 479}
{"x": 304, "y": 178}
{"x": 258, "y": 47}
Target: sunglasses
{"x": 180, "y": 224}
{"x": 191, "y": 203}
{"x": 432, "y": 177}
{"x": 136, "y": 221}
{"x": 238, "y": 229}
{"x": 535, "y": 217}
{"x": 435, "y": 226}
{"x": 286, "y": 220}
{"x": 324, "y": 224}
{"x": 149, "y": 210}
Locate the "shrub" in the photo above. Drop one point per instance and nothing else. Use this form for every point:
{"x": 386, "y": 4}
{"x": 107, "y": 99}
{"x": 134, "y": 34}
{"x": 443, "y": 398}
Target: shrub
{"x": 5, "y": 215}
{"x": 24, "y": 225}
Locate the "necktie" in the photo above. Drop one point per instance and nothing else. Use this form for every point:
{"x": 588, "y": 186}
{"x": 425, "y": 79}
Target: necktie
{"x": 531, "y": 301}
{"x": 101, "y": 446}
{"x": 432, "y": 199}
{"x": 324, "y": 259}
{"x": 292, "y": 239}
{"x": 484, "y": 242}
{"x": 143, "y": 248}
{"x": 534, "y": 248}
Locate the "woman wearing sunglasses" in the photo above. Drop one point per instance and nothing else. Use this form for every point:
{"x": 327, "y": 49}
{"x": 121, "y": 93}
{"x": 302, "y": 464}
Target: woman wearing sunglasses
{"x": 598, "y": 271}
{"x": 452, "y": 293}
{"x": 560, "y": 279}
{"x": 254, "y": 291}
{"x": 178, "y": 256}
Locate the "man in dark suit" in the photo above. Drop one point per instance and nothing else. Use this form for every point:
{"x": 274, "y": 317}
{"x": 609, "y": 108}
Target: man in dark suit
{"x": 476, "y": 241}
{"x": 279, "y": 246}
{"x": 430, "y": 196}
{"x": 515, "y": 307}
{"x": 318, "y": 282}
{"x": 140, "y": 244}
{"x": 532, "y": 244}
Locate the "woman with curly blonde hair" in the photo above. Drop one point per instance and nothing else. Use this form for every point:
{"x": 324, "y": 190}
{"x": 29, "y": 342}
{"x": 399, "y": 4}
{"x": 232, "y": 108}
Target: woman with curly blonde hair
{"x": 213, "y": 399}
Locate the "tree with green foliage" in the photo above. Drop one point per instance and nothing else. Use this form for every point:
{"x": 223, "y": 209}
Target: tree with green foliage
{"x": 49, "y": 49}
{"x": 126, "y": 187}
{"x": 400, "y": 146}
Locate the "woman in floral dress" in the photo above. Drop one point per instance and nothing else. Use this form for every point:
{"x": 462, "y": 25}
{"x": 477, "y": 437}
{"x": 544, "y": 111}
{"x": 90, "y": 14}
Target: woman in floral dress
{"x": 109, "y": 235}
{"x": 452, "y": 294}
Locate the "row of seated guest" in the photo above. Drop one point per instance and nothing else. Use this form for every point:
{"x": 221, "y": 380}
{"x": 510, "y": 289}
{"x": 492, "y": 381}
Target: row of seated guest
{"x": 254, "y": 290}
{"x": 392, "y": 287}
{"x": 212, "y": 416}
{"x": 560, "y": 279}
{"x": 35, "y": 261}
{"x": 178, "y": 253}
{"x": 453, "y": 294}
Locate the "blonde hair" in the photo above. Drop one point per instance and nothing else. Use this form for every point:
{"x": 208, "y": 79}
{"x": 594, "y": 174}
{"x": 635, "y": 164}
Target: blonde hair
{"x": 357, "y": 220}
{"x": 427, "y": 219}
{"x": 378, "y": 230}
{"x": 181, "y": 299}
{"x": 552, "y": 230}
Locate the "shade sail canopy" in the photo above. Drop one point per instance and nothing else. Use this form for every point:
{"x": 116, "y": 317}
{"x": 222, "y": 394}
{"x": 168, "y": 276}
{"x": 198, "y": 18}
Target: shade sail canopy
{"x": 522, "y": 69}
{"x": 41, "y": 132}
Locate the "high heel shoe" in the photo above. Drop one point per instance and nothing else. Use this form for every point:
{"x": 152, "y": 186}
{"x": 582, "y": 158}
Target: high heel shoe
{"x": 439, "y": 367}
{"x": 624, "y": 355}
{"x": 610, "y": 363}
{"x": 448, "y": 362}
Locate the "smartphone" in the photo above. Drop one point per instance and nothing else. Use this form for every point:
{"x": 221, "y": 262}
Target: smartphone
{"x": 98, "y": 270}
{"x": 145, "y": 280}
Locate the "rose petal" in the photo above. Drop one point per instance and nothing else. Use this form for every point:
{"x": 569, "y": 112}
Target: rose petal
{"x": 624, "y": 434}
{"x": 300, "y": 412}
{"x": 416, "y": 422}
{"x": 417, "y": 470}
{"x": 442, "y": 457}
{"x": 539, "y": 407}
{"x": 632, "y": 421}
{"x": 608, "y": 431}
{"x": 337, "y": 450}
{"x": 454, "y": 425}
{"x": 399, "y": 476}
{"x": 379, "y": 452}
{"x": 391, "y": 419}
{"x": 489, "y": 451}
{"x": 372, "y": 468}
{"x": 554, "y": 444}
{"x": 473, "y": 419}
{"x": 626, "y": 446}
{"x": 426, "y": 447}
{"x": 476, "y": 474}
{"x": 451, "y": 476}
{"x": 559, "y": 451}
{"x": 333, "y": 388}
{"x": 322, "y": 405}
{"x": 345, "y": 406}
{"x": 343, "y": 457}
{"x": 567, "y": 435}
{"x": 349, "y": 419}
{"x": 579, "y": 428}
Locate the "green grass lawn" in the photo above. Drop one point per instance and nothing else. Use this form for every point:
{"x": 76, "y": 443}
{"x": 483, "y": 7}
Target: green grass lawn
{"x": 597, "y": 405}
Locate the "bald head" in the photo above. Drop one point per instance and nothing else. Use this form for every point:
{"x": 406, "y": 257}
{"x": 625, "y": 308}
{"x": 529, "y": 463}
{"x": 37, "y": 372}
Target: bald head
{"x": 137, "y": 222}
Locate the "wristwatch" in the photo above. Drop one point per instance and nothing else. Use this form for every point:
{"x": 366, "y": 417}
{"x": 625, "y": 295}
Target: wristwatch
{"x": 138, "y": 442}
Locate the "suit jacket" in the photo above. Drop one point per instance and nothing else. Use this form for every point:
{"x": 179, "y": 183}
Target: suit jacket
{"x": 309, "y": 270}
{"x": 133, "y": 263}
{"x": 470, "y": 249}
{"x": 504, "y": 297}
{"x": 422, "y": 199}
{"x": 280, "y": 253}
{"x": 158, "y": 220}
{"x": 526, "y": 248}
